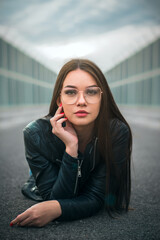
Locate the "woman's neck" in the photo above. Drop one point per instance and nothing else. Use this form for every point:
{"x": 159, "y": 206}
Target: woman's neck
{"x": 84, "y": 134}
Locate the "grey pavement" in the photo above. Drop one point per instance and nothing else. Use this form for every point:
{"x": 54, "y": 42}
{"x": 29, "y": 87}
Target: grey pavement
{"x": 142, "y": 223}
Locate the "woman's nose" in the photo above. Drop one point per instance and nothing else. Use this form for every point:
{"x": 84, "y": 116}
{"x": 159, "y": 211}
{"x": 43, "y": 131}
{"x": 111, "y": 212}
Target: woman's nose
{"x": 81, "y": 99}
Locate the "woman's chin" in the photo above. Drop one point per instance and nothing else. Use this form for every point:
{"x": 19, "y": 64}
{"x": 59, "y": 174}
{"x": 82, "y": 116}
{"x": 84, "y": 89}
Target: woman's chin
{"x": 81, "y": 122}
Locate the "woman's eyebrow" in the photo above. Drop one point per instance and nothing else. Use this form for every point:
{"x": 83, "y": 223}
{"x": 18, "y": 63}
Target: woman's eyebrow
{"x": 93, "y": 86}
{"x": 71, "y": 86}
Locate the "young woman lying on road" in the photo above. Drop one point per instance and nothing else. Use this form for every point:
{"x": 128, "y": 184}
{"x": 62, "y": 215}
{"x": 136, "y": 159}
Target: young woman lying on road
{"x": 79, "y": 154}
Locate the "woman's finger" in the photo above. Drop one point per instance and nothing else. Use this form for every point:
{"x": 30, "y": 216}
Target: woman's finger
{"x": 19, "y": 218}
{"x": 61, "y": 120}
{"x": 56, "y": 117}
{"x": 25, "y": 222}
{"x": 34, "y": 224}
{"x": 58, "y": 125}
{"x": 31, "y": 224}
{"x": 54, "y": 120}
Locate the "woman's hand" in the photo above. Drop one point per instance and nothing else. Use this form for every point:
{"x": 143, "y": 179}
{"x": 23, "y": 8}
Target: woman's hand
{"x": 67, "y": 134}
{"x": 39, "y": 214}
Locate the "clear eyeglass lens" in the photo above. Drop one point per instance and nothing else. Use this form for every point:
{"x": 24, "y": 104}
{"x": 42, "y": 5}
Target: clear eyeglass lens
{"x": 92, "y": 95}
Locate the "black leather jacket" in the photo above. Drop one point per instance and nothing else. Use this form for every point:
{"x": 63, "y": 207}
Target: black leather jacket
{"x": 78, "y": 184}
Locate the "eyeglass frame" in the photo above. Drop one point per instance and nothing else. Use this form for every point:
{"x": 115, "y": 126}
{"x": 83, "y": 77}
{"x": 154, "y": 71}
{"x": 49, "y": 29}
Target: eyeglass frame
{"x": 84, "y": 95}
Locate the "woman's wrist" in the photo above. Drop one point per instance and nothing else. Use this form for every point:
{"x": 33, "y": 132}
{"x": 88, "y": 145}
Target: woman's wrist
{"x": 59, "y": 209}
{"x": 54, "y": 208}
{"x": 72, "y": 150}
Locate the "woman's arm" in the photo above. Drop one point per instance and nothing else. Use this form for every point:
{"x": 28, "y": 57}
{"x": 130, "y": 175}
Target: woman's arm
{"x": 90, "y": 200}
{"x": 88, "y": 203}
{"x": 53, "y": 182}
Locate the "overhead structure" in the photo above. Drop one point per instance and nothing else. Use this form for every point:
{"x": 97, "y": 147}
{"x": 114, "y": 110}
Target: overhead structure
{"x": 136, "y": 80}
{"x": 23, "y": 80}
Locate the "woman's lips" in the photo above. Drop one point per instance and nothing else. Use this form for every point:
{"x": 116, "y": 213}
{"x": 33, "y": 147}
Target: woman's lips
{"x": 81, "y": 113}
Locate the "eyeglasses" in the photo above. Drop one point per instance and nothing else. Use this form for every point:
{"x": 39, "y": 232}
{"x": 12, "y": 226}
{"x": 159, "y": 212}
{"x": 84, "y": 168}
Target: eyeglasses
{"x": 91, "y": 95}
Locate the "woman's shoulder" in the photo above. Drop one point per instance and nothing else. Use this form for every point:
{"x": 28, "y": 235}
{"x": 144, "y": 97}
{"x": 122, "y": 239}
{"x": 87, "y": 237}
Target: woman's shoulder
{"x": 117, "y": 124}
{"x": 119, "y": 128}
{"x": 37, "y": 126}
{"x": 41, "y": 129}
{"x": 39, "y": 132}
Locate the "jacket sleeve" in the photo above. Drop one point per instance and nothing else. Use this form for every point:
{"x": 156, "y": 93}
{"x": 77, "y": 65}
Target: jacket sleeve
{"x": 89, "y": 201}
{"x": 53, "y": 182}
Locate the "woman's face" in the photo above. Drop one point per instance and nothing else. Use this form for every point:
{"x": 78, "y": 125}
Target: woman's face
{"x": 80, "y": 80}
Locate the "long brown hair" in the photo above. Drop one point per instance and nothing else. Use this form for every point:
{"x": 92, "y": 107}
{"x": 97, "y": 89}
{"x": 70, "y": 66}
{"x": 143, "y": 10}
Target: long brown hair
{"x": 108, "y": 111}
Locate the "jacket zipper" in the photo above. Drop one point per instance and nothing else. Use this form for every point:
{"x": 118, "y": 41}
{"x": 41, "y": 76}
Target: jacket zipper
{"x": 79, "y": 174}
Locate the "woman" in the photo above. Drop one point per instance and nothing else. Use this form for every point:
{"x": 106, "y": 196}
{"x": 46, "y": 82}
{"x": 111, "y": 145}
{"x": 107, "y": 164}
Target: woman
{"x": 79, "y": 154}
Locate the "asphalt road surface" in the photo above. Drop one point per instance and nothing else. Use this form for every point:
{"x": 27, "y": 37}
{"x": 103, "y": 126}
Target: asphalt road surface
{"x": 141, "y": 223}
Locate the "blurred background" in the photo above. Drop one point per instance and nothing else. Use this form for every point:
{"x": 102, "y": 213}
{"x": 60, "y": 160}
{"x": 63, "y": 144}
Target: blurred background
{"x": 123, "y": 38}
{"x": 37, "y": 37}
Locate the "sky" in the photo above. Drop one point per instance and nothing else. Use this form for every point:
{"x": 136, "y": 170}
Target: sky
{"x": 104, "y": 31}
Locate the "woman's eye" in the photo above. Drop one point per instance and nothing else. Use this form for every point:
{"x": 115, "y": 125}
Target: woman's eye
{"x": 70, "y": 92}
{"x": 91, "y": 92}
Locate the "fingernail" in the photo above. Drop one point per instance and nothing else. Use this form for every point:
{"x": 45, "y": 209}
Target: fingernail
{"x": 62, "y": 113}
{"x": 60, "y": 105}
{"x": 11, "y": 224}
